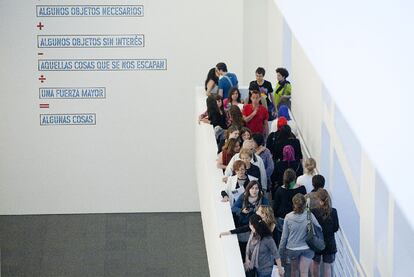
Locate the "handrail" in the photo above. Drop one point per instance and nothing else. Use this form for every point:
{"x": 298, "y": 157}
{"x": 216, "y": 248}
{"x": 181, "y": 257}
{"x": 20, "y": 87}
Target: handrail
{"x": 345, "y": 252}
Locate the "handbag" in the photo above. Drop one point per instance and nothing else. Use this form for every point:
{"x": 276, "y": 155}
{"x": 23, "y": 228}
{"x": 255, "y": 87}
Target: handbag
{"x": 315, "y": 242}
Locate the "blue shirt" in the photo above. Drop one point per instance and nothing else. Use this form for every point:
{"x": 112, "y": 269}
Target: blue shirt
{"x": 225, "y": 84}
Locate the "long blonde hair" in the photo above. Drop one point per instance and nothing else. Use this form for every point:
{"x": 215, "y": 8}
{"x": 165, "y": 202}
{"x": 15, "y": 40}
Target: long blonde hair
{"x": 267, "y": 215}
{"x": 310, "y": 165}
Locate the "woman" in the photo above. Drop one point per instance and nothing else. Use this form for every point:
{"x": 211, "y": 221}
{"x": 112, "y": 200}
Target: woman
{"x": 288, "y": 161}
{"x": 211, "y": 83}
{"x": 306, "y": 179}
{"x": 282, "y": 199}
{"x": 216, "y": 116}
{"x": 283, "y": 88}
{"x": 231, "y": 132}
{"x": 245, "y": 134}
{"x": 233, "y": 99}
{"x": 236, "y": 117}
{"x": 236, "y": 184}
{"x": 261, "y": 250}
{"x": 246, "y": 155}
{"x": 231, "y": 147}
{"x": 264, "y": 153}
{"x": 275, "y": 132}
{"x": 328, "y": 219}
{"x": 286, "y": 138}
{"x": 293, "y": 243}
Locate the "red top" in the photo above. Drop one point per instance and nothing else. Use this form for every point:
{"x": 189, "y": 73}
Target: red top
{"x": 256, "y": 124}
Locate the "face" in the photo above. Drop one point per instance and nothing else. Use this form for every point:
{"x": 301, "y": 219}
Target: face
{"x": 219, "y": 103}
{"x": 234, "y": 134}
{"x": 241, "y": 172}
{"x": 245, "y": 158}
{"x": 254, "y": 191}
{"x": 280, "y": 77}
{"x": 259, "y": 78}
{"x": 255, "y": 98}
{"x": 218, "y": 72}
{"x": 234, "y": 95}
{"x": 237, "y": 148}
{"x": 246, "y": 136}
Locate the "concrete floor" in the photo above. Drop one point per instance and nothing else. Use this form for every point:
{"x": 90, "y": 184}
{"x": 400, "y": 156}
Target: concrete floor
{"x": 138, "y": 244}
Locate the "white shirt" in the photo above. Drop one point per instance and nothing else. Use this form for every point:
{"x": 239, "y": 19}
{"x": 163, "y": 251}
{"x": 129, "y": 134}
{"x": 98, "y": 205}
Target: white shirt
{"x": 230, "y": 188}
{"x": 305, "y": 180}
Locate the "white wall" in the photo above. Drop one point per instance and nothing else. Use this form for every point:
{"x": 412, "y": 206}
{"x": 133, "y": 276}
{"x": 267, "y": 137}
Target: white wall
{"x": 139, "y": 156}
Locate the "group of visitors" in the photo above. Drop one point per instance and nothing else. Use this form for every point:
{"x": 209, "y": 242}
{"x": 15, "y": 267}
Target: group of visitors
{"x": 274, "y": 195}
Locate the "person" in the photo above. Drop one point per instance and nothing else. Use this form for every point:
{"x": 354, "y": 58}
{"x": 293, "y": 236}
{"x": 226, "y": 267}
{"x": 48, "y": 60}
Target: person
{"x": 306, "y": 179}
{"x": 227, "y": 80}
{"x": 261, "y": 250}
{"x": 275, "y": 132}
{"x": 211, "y": 83}
{"x": 285, "y": 138}
{"x": 233, "y": 99}
{"x": 216, "y": 116}
{"x": 282, "y": 200}
{"x": 318, "y": 182}
{"x": 245, "y": 206}
{"x": 265, "y": 88}
{"x": 288, "y": 161}
{"x": 256, "y": 115}
{"x": 283, "y": 88}
{"x": 293, "y": 242}
{"x": 264, "y": 153}
{"x": 328, "y": 219}
{"x": 284, "y": 111}
{"x": 245, "y": 134}
{"x": 230, "y": 148}
{"x": 236, "y": 117}
{"x": 231, "y": 132}
{"x": 236, "y": 184}
{"x": 249, "y": 157}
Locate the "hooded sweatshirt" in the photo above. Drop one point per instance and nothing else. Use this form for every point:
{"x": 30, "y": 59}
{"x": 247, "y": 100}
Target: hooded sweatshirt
{"x": 294, "y": 231}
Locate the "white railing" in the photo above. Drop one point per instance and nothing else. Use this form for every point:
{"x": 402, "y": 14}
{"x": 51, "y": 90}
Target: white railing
{"x": 346, "y": 264}
{"x": 223, "y": 254}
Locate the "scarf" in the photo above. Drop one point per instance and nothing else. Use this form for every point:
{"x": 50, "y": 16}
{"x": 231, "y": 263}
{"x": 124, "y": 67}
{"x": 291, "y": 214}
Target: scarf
{"x": 252, "y": 251}
{"x": 281, "y": 86}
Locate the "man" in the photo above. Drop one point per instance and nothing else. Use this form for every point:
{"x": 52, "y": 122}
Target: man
{"x": 255, "y": 115}
{"x": 265, "y": 88}
{"x": 227, "y": 80}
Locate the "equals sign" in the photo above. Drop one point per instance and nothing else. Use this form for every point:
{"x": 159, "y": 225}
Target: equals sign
{"x": 44, "y": 106}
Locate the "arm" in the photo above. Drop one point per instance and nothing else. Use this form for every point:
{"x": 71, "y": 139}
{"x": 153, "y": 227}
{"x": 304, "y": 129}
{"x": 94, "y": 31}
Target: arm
{"x": 241, "y": 229}
{"x": 220, "y": 161}
{"x": 266, "y": 128}
{"x": 271, "y": 246}
{"x": 237, "y": 205}
{"x": 263, "y": 177}
{"x": 283, "y": 240}
{"x": 250, "y": 117}
{"x": 335, "y": 220}
{"x": 229, "y": 168}
{"x": 210, "y": 86}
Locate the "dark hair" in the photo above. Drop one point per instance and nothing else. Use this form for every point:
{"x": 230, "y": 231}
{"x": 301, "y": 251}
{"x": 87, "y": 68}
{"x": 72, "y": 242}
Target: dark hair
{"x": 221, "y": 66}
{"x": 285, "y": 132}
{"x": 231, "y": 92}
{"x": 247, "y": 193}
{"x": 299, "y": 203}
{"x": 289, "y": 176}
{"x": 244, "y": 130}
{"x": 282, "y": 71}
{"x": 212, "y": 106}
{"x": 261, "y": 71}
{"x": 260, "y": 226}
{"x": 236, "y": 116}
{"x": 318, "y": 181}
{"x": 258, "y": 138}
{"x": 211, "y": 75}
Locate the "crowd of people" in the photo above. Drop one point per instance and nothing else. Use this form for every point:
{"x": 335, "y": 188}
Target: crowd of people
{"x": 277, "y": 199}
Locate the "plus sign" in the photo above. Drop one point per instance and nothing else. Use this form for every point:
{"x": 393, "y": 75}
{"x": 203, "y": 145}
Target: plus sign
{"x": 42, "y": 78}
{"x": 40, "y": 25}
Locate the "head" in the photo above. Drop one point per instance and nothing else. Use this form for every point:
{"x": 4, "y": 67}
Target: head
{"x": 234, "y": 95}
{"x": 249, "y": 144}
{"x": 284, "y": 111}
{"x": 246, "y": 156}
{"x": 236, "y": 115}
{"x": 232, "y": 132}
{"x": 219, "y": 101}
{"x": 299, "y": 203}
{"x": 255, "y": 97}
{"x": 260, "y": 73}
{"x": 211, "y": 75}
{"x": 245, "y": 133}
{"x": 289, "y": 178}
{"x": 253, "y": 189}
{"x": 258, "y": 226}
{"x": 281, "y": 121}
{"x": 310, "y": 166}
{"x": 288, "y": 153}
{"x": 318, "y": 181}
{"x": 267, "y": 214}
{"x": 221, "y": 69}
{"x": 258, "y": 140}
{"x": 239, "y": 168}
{"x": 281, "y": 74}
{"x": 285, "y": 132}
{"x": 325, "y": 202}
{"x": 232, "y": 146}
{"x": 211, "y": 104}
